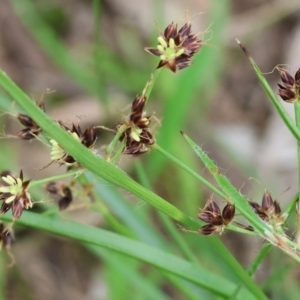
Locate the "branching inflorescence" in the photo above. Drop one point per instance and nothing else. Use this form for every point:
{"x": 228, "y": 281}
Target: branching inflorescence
{"x": 133, "y": 136}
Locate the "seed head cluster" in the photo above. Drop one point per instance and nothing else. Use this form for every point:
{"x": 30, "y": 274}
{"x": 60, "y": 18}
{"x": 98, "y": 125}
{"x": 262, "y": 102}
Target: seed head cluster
{"x": 216, "y": 220}
{"x": 289, "y": 90}
{"x": 176, "y": 47}
{"x": 14, "y": 194}
{"x": 269, "y": 210}
{"x": 86, "y": 138}
{"x": 138, "y": 137}
{"x": 63, "y": 192}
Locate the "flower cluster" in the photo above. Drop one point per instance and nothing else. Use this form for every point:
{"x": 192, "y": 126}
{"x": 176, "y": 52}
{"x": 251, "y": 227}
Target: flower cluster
{"x": 14, "y": 194}
{"x": 290, "y": 90}
{"x": 86, "y": 138}
{"x": 176, "y": 47}
{"x": 137, "y": 135}
{"x": 269, "y": 210}
{"x": 32, "y": 129}
{"x": 62, "y": 191}
{"x": 216, "y": 220}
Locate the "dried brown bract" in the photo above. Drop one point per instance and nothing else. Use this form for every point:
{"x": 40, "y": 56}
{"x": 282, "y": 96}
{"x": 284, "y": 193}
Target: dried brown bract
{"x": 289, "y": 91}
{"x": 269, "y": 210}
{"x": 216, "y": 220}
{"x": 176, "y": 47}
{"x": 6, "y": 237}
{"x": 138, "y": 137}
{"x": 86, "y": 138}
{"x": 14, "y": 194}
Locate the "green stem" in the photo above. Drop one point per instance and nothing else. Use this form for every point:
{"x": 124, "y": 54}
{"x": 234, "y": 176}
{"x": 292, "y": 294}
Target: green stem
{"x": 297, "y": 119}
{"x": 53, "y": 178}
{"x": 292, "y": 205}
{"x": 115, "y": 140}
{"x": 153, "y": 80}
{"x": 98, "y": 55}
{"x": 189, "y": 170}
{"x": 119, "y": 152}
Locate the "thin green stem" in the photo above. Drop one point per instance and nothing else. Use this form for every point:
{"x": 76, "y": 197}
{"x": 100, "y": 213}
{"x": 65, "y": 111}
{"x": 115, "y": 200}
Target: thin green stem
{"x": 53, "y": 178}
{"x": 297, "y": 119}
{"x": 118, "y": 153}
{"x": 115, "y": 140}
{"x": 153, "y": 80}
{"x": 292, "y": 205}
{"x": 98, "y": 51}
{"x": 189, "y": 170}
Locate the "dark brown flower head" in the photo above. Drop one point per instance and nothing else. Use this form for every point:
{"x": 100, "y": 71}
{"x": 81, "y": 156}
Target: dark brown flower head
{"x": 28, "y": 133}
{"x": 86, "y": 138}
{"x": 289, "y": 91}
{"x": 269, "y": 210}
{"x": 137, "y": 136}
{"x": 66, "y": 198}
{"x": 216, "y": 220}
{"x": 15, "y": 195}
{"x": 228, "y": 213}
{"x": 52, "y": 187}
{"x": 209, "y": 229}
{"x": 32, "y": 129}
{"x": 176, "y": 48}
{"x": 6, "y": 237}
{"x": 63, "y": 191}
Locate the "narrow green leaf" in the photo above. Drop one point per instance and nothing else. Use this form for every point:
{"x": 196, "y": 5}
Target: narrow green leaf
{"x": 155, "y": 257}
{"x": 278, "y": 106}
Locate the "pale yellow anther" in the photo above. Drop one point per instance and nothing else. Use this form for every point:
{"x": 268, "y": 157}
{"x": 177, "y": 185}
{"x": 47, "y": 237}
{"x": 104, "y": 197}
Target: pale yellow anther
{"x": 9, "y": 179}
{"x": 160, "y": 48}
{"x": 162, "y": 41}
{"x": 179, "y": 52}
{"x": 135, "y": 136}
{"x": 10, "y": 199}
{"x": 171, "y": 43}
{"x": 19, "y": 182}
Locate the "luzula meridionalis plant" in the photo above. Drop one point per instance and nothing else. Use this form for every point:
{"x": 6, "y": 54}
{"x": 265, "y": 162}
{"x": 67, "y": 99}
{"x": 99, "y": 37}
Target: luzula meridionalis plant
{"x": 74, "y": 150}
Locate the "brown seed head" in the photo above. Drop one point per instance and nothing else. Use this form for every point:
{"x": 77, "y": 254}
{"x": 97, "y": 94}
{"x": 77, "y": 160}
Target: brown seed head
{"x": 28, "y": 133}
{"x": 290, "y": 90}
{"x": 267, "y": 202}
{"x": 66, "y": 199}
{"x": 208, "y": 229}
{"x": 228, "y": 213}
{"x": 176, "y": 48}
{"x": 52, "y": 187}
{"x": 27, "y": 121}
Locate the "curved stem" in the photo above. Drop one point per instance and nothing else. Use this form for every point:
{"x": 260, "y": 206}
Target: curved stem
{"x": 190, "y": 171}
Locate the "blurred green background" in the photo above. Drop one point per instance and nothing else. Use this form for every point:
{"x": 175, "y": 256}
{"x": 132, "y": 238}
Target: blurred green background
{"x": 91, "y": 53}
